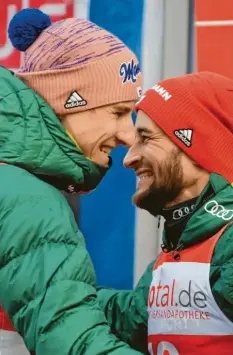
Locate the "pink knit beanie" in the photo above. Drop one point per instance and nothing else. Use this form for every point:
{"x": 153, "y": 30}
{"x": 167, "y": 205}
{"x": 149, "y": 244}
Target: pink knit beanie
{"x": 74, "y": 64}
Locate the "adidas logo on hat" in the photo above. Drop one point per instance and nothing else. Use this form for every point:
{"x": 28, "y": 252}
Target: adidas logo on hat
{"x": 75, "y": 100}
{"x": 185, "y": 135}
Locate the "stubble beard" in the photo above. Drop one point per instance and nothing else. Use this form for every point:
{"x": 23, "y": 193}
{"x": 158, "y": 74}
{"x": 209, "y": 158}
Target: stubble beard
{"x": 167, "y": 185}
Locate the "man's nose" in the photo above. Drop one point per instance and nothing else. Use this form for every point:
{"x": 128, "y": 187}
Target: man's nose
{"x": 131, "y": 159}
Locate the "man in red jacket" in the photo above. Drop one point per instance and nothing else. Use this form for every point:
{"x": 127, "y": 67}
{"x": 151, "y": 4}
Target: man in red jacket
{"x": 183, "y": 157}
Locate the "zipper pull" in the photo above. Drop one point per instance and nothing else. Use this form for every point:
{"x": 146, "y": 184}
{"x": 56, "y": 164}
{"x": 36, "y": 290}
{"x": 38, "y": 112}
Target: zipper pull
{"x": 165, "y": 248}
{"x": 176, "y": 255}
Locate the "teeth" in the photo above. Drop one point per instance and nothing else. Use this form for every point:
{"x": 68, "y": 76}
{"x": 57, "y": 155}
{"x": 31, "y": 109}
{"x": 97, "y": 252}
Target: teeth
{"x": 143, "y": 176}
{"x": 106, "y": 150}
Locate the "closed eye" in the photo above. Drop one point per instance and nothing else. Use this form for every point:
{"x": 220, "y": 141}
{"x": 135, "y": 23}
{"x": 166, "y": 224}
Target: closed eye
{"x": 145, "y": 139}
{"x": 123, "y": 109}
{"x": 120, "y": 113}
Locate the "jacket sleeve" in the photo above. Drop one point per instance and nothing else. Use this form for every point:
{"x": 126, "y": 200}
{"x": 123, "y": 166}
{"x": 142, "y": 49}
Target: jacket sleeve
{"x": 126, "y": 311}
{"x": 48, "y": 281}
{"x": 221, "y": 273}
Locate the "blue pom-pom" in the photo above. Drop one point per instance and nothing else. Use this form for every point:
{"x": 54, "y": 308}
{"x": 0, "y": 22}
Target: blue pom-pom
{"x": 26, "y": 26}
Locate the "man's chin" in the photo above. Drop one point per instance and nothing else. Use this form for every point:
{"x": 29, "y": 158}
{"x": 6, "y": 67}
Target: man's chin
{"x": 149, "y": 201}
{"x": 140, "y": 199}
{"x": 137, "y": 197}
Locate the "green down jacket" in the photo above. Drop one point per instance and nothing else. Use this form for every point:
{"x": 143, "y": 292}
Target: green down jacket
{"x": 48, "y": 285}
{"x": 127, "y": 311}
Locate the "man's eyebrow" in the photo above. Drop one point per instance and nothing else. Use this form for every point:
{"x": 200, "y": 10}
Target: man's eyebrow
{"x": 141, "y": 130}
{"x": 123, "y": 108}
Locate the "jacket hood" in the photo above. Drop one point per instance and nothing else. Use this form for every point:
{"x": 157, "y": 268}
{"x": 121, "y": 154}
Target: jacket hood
{"x": 212, "y": 211}
{"x": 33, "y": 138}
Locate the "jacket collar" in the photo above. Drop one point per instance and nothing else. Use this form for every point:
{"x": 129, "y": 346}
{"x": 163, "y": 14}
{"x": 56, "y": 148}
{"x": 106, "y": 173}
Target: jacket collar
{"x": 213, "y": 210}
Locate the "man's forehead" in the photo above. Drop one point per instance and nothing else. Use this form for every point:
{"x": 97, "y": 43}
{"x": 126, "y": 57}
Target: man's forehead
{"x": 145, "y": 123}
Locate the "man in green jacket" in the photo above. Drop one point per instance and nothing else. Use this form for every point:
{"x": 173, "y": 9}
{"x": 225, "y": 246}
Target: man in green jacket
{"x": 70, "y": 106}
{"x": 183, "y": 158}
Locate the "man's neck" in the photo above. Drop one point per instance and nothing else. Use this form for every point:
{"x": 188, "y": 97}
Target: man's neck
{"x": 180, "y": 212}
{"x": 176, "y": 218}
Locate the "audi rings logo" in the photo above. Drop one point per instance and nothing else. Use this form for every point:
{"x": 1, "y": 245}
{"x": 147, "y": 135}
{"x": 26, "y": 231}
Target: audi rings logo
{"x": 182, "y": 212}
{"x": 212, "y": 207}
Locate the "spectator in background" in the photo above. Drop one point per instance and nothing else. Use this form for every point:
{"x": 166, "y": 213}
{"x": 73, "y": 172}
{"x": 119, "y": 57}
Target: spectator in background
{"x": 183, "y": 158}
{"x": 69, "y": 107}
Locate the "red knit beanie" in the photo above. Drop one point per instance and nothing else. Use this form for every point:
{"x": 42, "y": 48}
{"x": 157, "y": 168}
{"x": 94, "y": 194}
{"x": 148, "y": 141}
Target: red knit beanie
{"x": 196, "y": 112}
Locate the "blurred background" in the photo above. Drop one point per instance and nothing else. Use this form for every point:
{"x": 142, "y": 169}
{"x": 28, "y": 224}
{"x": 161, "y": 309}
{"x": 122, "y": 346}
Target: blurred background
{"x": 170, "y": 38}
